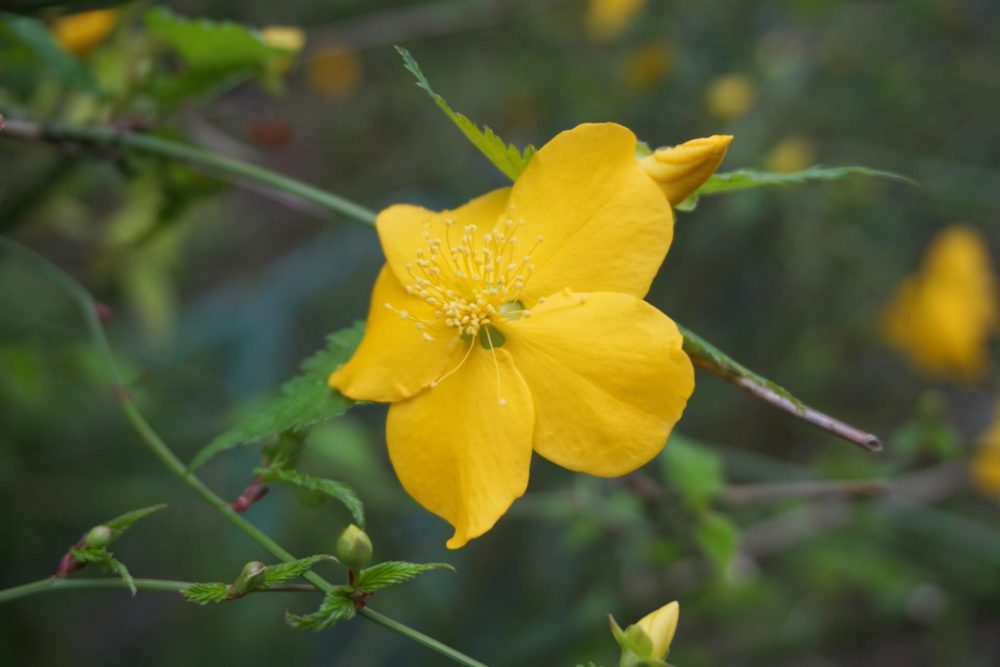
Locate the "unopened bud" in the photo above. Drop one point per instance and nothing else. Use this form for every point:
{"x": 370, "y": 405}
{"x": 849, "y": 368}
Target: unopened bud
{"x": 98, "y": 537}
{"x": 354, "y": 548}
{"x": 251, "y": 578}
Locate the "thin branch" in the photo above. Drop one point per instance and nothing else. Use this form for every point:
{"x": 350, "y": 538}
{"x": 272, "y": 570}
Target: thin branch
{"x": 52, "y": 584}
{"x": 747, "y": 494}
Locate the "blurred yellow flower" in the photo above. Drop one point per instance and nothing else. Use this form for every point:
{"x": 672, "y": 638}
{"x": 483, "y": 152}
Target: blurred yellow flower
{"x": 942, "y": 317}
{"x": 731, "y": 95}
{"x": 790, "y": 154}
{"x": 647, "y": 642}
{"x": 333, "y": 71}
{"x": 287, "y": 38}
{"x": 648, "y": 65}
{"x": 985, "y": 466}
{"x": 516, "y": 323}
{"x": 79, "y": 33}
{"x": 679, "y": 170}
{"x": 606, "y": 19}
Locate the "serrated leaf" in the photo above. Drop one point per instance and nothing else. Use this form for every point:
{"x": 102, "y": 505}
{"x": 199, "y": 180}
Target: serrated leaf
{"x": 743, "y": 179}
{"x": 105, "y": 560}
{"x": 125, "y": 521}
{"x": 337, "y": 606}
{"x": 393, "y": 572}
{"x": 327, "y": 488}
{"x": 34, "y": 35}
{"x": 282, "y": 572}
{"x": 206, "y": 593}
{"x": 718, "y": 537}
{"x": 508, "y": 158}
{"x": 695, "y": 472}
{"x": 304, "y": 400}
{"x": 211, "y": 45}
{"x": 705, "y": 354}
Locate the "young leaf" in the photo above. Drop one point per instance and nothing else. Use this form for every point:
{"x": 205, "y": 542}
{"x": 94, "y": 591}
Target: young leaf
{"x": 743, "y": 179}
{"x": 326, "y": 488}
{"x": 211, "y": 45}
{"x": 718, "y": 537}
{"x": 694, "y": 471}
{"x": 304, "y": 400}
{"x": 282, "y": 572}
{"x": 105, "y": 560}
{"x": 393, "y": 572}
{"x": 508, "y": 158}
{"x": 122, "y": 523}
{"x": 337, "y": 606}
{"x": 206, "y": 593}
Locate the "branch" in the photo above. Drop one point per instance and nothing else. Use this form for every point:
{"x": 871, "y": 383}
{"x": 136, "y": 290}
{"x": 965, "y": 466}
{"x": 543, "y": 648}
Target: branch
{"x": 51, "y": 584}
{"x": 701, "y": 351}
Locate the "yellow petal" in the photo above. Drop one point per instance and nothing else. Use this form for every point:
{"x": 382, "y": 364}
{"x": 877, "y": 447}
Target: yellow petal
{"x": 286, "y": 38}
{"x": 661, "y": 625}
{"x": 395, "y": 360}
{"x": 608, "y": 376}
{"x": 79, "y": 33}
{"x": 605, "y": 225}
{"x": 402, "y": 228}
{"x": 681, "y": 170}
{"x": 458, "y": 451}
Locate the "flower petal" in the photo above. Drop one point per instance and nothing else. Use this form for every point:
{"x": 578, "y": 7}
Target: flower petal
{"x": 401, "y": 227}
{"x": 680, "y": 170}
{"x": 606, "y": 224}
{"x": 395, "y": 360}
{"x": 458, "y": 451}
{"x": 608, "y": 377}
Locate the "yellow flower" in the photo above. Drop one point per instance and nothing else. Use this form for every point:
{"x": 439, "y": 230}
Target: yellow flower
{"x": 79, "y": 33}
{"x": 647, "y": 642}
{"x": 790, "y": 154}
{"x": 515, "y": 323}
{"x": 985, "y": 466}
{"x": 942, "y": 318}
{"x": 333, "y": 71}
{"x": 679, "y": 170}
{"x": 286, "y": 38}
{"x": 731, "y": 95}
{"x": 606, "y": 19}
{"x": 649, "y": 65}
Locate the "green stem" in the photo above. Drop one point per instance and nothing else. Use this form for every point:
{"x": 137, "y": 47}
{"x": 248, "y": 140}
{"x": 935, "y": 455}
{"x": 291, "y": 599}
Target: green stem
{"x": 51, "y": 584}
{"x": 163, "y": 452}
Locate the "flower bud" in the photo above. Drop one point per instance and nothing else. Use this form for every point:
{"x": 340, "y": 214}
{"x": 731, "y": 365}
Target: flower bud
{"x": 250, "y": 579}
{"x": 98, "y": 537}
{"x": 647, "y": 642}
{"x": 680, "y": 170}
{"x": 660, "y": 626}
{"x": 354, "y": 548}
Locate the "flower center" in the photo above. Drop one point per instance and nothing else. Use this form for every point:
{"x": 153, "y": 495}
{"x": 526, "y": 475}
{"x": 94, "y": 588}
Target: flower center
{"x": 471, "y": 281}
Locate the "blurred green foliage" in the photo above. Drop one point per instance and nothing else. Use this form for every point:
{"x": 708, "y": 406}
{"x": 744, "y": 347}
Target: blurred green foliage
{"x": 216, "y": 294}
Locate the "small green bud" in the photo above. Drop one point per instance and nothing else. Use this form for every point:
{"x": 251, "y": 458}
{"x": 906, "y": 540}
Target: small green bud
{"x": 251, "y": 578}
{"x": 98, "y": 537}
{"x": 354, "y": 548}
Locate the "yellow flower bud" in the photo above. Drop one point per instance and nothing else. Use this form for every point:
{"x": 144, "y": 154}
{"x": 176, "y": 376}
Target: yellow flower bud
{"x": 790, "y": 154}
{"x": 333, "y": 71}
{"x": 680, "y": 170}
{"x": 731, "y": 95}
{"x": 660, "y": 626}
{"x": 286, "y": 38}
{"x": 79, "y": 33}
{"x": 354, "y": 548}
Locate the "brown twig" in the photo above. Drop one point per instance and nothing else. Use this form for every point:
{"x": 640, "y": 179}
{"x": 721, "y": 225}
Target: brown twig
{"x": 746, "y": 494}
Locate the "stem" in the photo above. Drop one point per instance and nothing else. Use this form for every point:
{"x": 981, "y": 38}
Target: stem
{"x": 163, "y": 452}
{"x": 51, "y": 584}
{"x": 703, "y": 353}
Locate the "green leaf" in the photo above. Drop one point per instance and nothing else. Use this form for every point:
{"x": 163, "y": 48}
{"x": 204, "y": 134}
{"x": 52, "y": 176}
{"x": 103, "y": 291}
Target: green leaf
{"x": 719, "y": 538}
{"x": 743, "y": 179}
{"x": 122, "y": 523}
{"x": 705, "y": 354}
{"x": 210, "y": 45}
{"x": 337, "y": 606}
{"x": 694, "y": 471}
{"x": 305, "y": 400}
{"x": 206, "y": 593}
{"x": 327, "y": 488}
{"x": 282, "y": 572}
{"x": 508, "y": 158}
{"x": 393, "y": 572}
{"x": 59, "y": 64}
{"x": 105, "y": 560}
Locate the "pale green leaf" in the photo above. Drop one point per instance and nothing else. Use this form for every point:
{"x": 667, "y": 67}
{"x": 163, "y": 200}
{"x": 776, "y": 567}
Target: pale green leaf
{"x": 337, "y": 606}
{"x": 743, "y": 179}
{"x": 304, "y": 400}
{"x": 125, "y": 521}
{"x": 393, "y": 572}
{"x": 695, "y": 472}
{"x": 718, "y": 537}
{"x": 206, "y": 593}
{"x": 508, "y": 158}
{"x": 212, "y": 45}
{"x": 282, "y": 572}
{"x": 326, "y": 488}
{"x": 105, "y": 560}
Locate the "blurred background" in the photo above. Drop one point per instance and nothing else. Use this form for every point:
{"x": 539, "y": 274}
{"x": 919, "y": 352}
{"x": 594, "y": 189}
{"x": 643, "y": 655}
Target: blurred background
{"x": 216, "y": 293}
